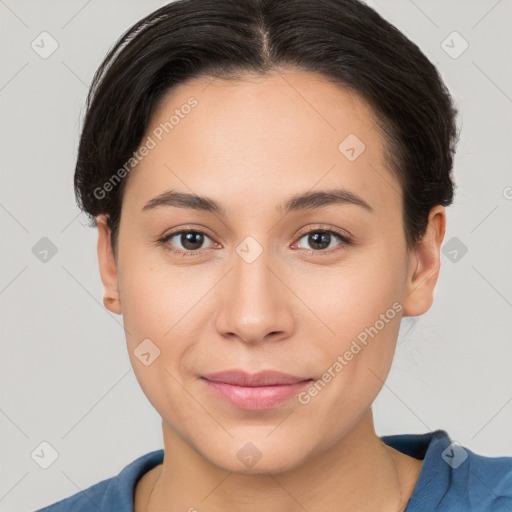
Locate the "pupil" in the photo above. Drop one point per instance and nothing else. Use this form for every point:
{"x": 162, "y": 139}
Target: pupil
{"x": 320, "y": 238}
{"x": 188, "y": 240}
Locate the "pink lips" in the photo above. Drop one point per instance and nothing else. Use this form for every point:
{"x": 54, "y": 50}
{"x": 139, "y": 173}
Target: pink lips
{"x": 261, "y": 390}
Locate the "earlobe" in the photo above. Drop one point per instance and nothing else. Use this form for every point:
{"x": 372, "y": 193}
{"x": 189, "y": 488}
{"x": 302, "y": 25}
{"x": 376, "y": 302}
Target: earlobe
{"x": 424, "y": 265}
{"x": 107, "y": 267}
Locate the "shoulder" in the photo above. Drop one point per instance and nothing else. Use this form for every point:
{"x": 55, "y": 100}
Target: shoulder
{"x": 84, "y": 501}
{"x": 453, "y": 477}
{"x": 488, "y": 480}
{"x": 478, "y": 470}
{"x": 113, "y": 494}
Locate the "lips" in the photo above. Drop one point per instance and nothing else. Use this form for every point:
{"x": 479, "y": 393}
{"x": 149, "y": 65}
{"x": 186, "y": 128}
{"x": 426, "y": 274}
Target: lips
{"x": 257, "y": 391}
{"x": 263, "y": 378}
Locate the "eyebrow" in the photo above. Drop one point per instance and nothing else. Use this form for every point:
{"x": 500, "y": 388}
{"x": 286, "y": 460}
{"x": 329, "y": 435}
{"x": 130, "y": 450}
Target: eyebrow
{"x": 308, "y": 200}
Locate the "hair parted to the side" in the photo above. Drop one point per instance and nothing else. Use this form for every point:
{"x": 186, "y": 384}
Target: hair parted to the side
{"x": 344, "y": 40}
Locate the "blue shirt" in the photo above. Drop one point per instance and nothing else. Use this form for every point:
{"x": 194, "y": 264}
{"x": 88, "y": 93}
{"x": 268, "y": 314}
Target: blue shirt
{"x": 452, "y": 478}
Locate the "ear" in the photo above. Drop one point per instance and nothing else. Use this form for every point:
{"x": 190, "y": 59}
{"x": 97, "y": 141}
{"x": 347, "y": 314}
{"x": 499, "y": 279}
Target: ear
{"x": 107, "y": 264}
{"x": 424, "y": 265}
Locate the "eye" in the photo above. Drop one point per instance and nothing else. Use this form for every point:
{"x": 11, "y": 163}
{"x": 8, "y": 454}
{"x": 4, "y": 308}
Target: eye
{"x": 188, "y": 242}
{"x": 323, "y": 240}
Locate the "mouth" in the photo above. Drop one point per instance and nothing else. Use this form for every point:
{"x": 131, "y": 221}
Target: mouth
{"x": 263, "y": 390}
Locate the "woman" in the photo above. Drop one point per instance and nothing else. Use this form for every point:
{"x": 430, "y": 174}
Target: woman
{"x": 269, "y": 182}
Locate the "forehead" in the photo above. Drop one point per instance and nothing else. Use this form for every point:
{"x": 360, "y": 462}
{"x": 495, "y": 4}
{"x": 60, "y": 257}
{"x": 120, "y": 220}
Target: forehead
{"x": 285, "y": 131}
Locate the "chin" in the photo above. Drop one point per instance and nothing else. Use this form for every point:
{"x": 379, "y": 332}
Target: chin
{"x": 257, "y": 457}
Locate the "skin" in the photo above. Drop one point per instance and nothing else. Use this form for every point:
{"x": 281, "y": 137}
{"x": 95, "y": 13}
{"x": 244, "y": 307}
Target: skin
{"x": 252, "y": 144}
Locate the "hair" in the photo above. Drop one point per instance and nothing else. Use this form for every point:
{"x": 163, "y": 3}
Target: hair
{"x": 346, "y": 41}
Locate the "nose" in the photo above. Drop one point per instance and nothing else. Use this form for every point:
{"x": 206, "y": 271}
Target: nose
{"x": 254, "y": 303}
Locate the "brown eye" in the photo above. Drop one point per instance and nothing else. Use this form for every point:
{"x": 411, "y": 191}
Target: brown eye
{"x": 185, "y": 241}
{"x": 321, "y": 240}
{"x": 191, "y": 240}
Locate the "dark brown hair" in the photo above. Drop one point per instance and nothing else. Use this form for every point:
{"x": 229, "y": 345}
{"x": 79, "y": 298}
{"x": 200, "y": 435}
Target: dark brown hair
{"x": 344, "y": 40}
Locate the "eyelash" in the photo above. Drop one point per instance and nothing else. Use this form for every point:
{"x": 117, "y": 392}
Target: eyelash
{"x": 344, "y": 239}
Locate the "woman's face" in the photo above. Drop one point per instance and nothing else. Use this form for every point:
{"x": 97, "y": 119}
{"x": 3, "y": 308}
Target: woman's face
{"x": 266, "y": 287}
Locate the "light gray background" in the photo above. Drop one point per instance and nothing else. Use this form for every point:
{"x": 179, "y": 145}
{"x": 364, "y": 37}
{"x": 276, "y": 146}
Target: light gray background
{"x": 65, "y": 373}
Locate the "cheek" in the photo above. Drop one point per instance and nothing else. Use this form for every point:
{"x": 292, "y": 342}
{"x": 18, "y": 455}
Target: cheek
{"x": 154, "y": 307}
{"x": 347, "y": 298}
{"x": 155, "y": 294}
{"x": 159, "y": 333}
{"x": 357, "y": 312}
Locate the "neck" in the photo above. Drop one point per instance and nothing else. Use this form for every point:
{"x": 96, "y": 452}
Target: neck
{"x": 358, "y": 473}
